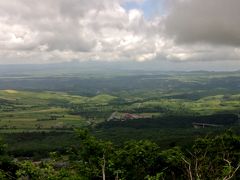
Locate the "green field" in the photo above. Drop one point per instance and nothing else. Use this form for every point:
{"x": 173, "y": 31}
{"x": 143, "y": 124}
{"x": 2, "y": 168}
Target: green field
{"x": 23, "y": 110}
{"x": 171, "y": 102}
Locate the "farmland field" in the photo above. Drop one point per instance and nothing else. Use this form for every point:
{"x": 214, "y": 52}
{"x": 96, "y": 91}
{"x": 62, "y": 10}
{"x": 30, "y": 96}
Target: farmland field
{"x": 171, "y": 103}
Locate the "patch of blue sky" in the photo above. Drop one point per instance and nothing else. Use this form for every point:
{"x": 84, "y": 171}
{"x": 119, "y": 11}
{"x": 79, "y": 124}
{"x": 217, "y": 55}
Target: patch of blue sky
{"x": 150, "y": 8}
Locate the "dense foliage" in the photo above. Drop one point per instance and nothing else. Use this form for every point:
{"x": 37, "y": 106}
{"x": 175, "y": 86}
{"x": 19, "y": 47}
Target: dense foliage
{"x": 212, "y": 157}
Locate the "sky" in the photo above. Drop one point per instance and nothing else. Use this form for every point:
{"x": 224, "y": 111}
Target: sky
{"x": 190, "y": 34}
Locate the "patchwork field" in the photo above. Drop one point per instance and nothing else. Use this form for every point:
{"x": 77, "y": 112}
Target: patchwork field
{"x": 24, "y": 110}
{"x": 36, "y": 111}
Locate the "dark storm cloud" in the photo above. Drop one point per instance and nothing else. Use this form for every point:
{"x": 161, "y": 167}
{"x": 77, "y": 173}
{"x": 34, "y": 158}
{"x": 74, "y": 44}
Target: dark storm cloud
{"x": 205, "y": 21}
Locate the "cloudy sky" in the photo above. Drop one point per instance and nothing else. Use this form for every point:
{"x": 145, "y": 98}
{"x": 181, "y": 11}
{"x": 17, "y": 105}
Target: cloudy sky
{"x": 200, "y": 32}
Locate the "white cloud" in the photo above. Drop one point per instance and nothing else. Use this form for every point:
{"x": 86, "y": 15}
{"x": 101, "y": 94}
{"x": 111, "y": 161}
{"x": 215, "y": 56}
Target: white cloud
{"x": 33, "y": 31}
{"x": 76, "y": 29}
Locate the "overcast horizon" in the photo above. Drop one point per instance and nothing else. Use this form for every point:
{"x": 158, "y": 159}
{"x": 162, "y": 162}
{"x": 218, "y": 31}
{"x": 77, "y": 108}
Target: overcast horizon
{"x": 172, "y": 34}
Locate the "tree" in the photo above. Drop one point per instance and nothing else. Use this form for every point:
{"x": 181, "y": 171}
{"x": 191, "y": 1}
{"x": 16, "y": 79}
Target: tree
{"x": 7, "y": 167}
{"x": 216, "y": 157}
{"x": 92, "y": 157}
{"x": 209, "y": 158}
{"x": 137, "y": 159}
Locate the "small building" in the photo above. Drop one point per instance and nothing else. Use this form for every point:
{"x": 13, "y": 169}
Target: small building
{"x": 205, "y": 125}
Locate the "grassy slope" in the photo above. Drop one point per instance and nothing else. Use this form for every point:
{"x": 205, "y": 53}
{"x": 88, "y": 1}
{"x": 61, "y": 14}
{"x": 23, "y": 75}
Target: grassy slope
{"x": 21, "y": 110}
{"x": 25, "y": 110}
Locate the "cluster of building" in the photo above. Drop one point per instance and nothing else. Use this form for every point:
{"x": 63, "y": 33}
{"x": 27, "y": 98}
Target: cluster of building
{"x": 126, "y": 116}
